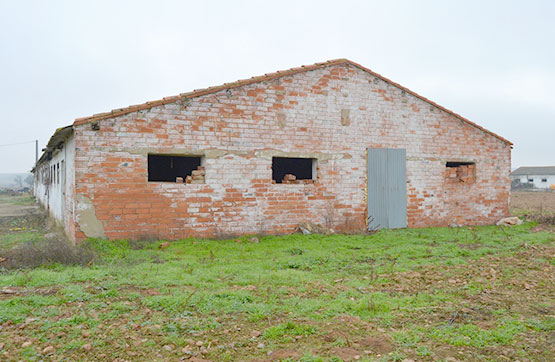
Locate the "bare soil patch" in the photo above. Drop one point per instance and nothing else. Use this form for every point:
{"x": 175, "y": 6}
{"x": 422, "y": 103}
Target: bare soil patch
{"x": 377, "y": 345}
{"x": 346, "y": 353}
{"x": 18, "y": 213}
{"x": 284, "y": 354}
{"x": 533, "y": 201}
{"x": 18, "y": 210}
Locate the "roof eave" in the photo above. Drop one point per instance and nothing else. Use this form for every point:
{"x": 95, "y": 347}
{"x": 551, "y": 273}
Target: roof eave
{"x": 59, "y": 136}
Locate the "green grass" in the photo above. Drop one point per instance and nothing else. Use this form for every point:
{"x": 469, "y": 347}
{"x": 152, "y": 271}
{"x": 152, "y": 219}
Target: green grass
{"x": 404, "y": 285}
{"x": 8, "y": 241}
{"x": 474, "y": 336}
{"x": 288, "y": 329}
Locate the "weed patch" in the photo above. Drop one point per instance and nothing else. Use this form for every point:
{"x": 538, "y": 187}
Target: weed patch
{"x": 33, "y": 254}
{"x": 474, "y": 336}
{"x": 288, "y": 329}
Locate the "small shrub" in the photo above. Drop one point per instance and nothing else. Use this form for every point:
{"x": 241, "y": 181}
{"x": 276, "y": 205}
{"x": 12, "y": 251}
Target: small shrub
{"x": 289, "y": 328}
{"x": 50, "y": 251}
{"x": 75, "y": 293}
{"x": 423, "y": 351}
{"x": 296, "y": 251}
{"x": 544, "y": 219}
{"x": 140, "y": 244}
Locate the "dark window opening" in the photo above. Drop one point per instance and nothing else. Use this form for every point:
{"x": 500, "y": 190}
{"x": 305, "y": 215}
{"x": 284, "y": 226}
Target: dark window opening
{"x": 458, "y": 164}
{"x": 544, "y": 180}
{"x": 172, "y": 168}
{"x": 293, "y": 170}
{"x": 530, "y": 180}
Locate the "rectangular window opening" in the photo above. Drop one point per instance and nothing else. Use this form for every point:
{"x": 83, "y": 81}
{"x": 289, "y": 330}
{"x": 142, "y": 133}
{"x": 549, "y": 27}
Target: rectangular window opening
{"x": 458, "y": 164}
{"x": 461, "y": 171}
{"x": 544, "y": 180}
{"x": 290, "y": 170}
{"x": 530, "y": 180}
{"x": 171, "y": 168}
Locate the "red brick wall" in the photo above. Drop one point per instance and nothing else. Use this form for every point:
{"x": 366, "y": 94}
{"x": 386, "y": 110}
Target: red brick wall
{"x": 332, "y": 114}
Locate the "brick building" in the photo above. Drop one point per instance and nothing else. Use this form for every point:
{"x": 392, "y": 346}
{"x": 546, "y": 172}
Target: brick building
{"x": 331, "y": 143}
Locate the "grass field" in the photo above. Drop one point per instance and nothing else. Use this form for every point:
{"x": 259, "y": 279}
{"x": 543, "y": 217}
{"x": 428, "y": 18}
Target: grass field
{"x": 437, "y": 294}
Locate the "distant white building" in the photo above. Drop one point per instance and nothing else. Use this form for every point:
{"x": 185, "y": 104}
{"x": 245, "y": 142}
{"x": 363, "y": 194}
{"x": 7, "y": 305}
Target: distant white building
{"x": 539, "y": 177}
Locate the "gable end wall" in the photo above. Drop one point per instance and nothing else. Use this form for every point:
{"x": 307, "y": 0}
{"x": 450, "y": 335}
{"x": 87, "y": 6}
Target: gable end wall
{"x": 333, "y": 114}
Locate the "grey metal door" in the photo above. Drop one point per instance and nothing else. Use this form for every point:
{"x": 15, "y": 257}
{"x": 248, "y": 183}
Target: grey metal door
{"x": 387, "y": 188}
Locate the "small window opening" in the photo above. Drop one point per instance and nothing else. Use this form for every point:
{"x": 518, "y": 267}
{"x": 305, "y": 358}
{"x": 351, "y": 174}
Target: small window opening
{"x": 458, "y": 164}
{"x": 544, "y": 180}
{"x": 289, "y": 170}
{"x": 530, "y": 180}
{"x": 179, "y": 169}
{"x": 461, "y": 171}
{"x": 58, "y": 173}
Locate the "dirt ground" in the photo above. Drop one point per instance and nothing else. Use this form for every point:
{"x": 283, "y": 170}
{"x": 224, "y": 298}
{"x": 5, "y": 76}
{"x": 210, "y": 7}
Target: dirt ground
{"x": 532, "y": 201}
{"x": 8, "y": 209}
{"x": 19, "y": 213}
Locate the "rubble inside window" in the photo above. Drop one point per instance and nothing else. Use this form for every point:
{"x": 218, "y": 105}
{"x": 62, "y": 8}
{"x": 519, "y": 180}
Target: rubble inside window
{"x": 291, "y": 170}
{"x": 461, "y": 172}
{"x": 172, "y": 168}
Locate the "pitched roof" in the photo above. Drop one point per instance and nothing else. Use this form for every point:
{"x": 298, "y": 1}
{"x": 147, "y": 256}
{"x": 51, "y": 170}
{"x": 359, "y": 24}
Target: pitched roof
{"x": 540, "y": 170}
{"x": 266, "y": 77}
{"x": 57, "y": 138}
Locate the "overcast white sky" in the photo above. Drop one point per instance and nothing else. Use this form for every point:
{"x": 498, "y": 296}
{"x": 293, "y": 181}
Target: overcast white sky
{"x": 490, "y": 61}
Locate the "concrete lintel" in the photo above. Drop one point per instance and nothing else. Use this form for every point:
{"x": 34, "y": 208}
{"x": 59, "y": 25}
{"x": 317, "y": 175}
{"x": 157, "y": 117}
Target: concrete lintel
{"x": 217, "y": 153}
{"x": 443, "y": 160}
{"x": 179, "y": 151}
{"x": 268, "y": 154}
